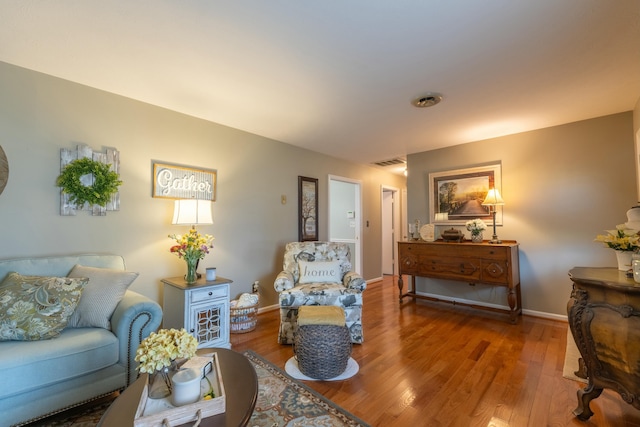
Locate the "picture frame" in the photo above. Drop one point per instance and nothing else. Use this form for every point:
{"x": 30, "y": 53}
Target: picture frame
{"x": 307, "y": 209}
{"x": 172, "y": 181}
{"x": 456, "y": 196}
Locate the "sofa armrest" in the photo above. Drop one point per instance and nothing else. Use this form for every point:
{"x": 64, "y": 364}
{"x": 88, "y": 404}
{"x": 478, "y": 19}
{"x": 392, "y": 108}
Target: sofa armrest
{"x": 135, "y": 317}
{"x": 284, "y": 281}
{"x": 353, "y": 280}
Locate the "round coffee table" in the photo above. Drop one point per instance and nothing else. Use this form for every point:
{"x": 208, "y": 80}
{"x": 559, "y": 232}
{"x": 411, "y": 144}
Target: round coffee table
{"x": 240, "y": 385}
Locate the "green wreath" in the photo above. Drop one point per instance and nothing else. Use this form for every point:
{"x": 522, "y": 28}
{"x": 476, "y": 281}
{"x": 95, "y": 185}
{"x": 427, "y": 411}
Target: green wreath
{"x": 105, "y": 182}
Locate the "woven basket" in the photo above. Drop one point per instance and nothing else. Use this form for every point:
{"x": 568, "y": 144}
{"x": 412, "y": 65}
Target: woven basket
{"x": 322, "y": 351}
{"x": 243, "y": 319}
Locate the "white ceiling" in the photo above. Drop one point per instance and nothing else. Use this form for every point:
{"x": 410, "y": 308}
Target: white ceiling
{"x": 338, "y": 76}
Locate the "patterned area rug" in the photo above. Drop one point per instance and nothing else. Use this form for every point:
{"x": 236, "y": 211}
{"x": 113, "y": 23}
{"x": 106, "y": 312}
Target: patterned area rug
{"x": 282, "y": 401}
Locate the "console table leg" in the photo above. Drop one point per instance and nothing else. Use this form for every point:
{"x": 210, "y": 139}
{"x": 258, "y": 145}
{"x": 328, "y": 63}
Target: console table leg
{"x": 400, "y": 286}
{"x": 586, "y": 395}
{"x": 511, "y": 298}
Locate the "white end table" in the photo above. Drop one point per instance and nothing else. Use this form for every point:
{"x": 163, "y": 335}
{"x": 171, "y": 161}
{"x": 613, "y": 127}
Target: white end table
{"x": 201, "y": 308}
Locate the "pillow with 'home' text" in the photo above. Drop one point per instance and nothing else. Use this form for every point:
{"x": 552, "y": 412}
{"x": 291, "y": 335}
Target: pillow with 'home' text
{"x": 319, "y": 272}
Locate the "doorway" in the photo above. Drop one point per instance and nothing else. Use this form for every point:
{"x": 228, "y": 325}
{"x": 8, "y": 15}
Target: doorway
{"x": 390, "y": 218}
{"x": 345, "y": 216}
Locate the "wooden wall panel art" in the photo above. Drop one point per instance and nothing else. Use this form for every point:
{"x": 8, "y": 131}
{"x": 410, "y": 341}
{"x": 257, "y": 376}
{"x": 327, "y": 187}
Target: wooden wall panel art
{"x": 111, "y": 156}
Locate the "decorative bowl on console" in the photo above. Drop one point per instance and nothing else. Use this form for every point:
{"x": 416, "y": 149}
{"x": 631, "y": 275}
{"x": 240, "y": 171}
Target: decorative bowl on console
{"x": 452, "y": 235}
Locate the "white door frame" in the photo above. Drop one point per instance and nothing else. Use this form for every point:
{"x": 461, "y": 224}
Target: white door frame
{"x": 357, "y": 240}
{"x": 403, "y": 232}
{"x": 396, "y": 226}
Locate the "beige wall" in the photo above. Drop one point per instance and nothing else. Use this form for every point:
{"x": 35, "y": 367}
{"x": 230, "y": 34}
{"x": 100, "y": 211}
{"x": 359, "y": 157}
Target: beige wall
{"x": 561, "y": 186}
{"x": 40, "y": 114}
{"x": 636, "y": 117}
{"x": 636, "y": 132}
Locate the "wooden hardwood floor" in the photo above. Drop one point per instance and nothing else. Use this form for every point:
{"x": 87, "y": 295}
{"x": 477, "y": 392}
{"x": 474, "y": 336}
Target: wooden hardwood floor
{"x": 436, "y": 364}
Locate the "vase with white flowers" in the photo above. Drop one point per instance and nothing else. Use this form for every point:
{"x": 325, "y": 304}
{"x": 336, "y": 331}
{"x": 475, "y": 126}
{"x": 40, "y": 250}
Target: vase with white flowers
{"x": 624, "y": 241}
{"x": 158, "y": 356}
{"x": 476, "y": 227}
{"x": 192, "y": 247}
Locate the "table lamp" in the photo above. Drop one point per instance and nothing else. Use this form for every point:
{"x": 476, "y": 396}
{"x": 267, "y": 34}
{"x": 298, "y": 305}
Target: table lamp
{"x": 192, "y": 212}
{"x": 493, "y": 200}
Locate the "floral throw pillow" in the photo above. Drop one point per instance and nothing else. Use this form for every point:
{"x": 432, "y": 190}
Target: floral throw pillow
{"x": 36, "y": 307}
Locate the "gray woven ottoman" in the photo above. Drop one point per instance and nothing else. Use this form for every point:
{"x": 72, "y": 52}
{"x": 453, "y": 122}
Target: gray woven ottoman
{"x": 322, "y": 344}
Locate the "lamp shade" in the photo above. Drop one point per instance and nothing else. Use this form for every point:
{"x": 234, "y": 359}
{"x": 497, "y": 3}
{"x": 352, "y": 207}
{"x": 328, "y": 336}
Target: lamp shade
{"x": 192, "y": 212}
{"x": 493, "y": 198}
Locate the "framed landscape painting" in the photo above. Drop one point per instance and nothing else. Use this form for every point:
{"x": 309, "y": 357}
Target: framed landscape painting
{"x": 456, "y": 196}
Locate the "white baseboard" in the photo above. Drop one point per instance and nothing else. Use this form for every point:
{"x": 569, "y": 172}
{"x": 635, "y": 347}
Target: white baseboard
{"x": 532, "y": 313}
{"x": 268, "y": 308}
{"x": 545, "y": 315}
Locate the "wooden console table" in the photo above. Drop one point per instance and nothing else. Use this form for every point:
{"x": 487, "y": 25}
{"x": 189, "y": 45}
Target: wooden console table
{"x": 604, "y": 317}
{"x": 489, "y": 264}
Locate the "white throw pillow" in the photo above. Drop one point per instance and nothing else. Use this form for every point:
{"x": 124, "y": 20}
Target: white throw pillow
{"x": 320, "y": 271}
{"x": 100, "y": 297}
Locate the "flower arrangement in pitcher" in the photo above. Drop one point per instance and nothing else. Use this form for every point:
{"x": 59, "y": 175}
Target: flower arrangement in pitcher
{"x": 620, "y": 239}
{"x": 157, "y": 356}
{"x": 476, "y": 226}
{"x": 160, "y": 349}
{"x": 191, "y": 247}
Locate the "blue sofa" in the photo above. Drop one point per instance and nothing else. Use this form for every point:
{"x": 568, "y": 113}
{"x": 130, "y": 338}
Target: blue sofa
{"x": 40, "y": 378}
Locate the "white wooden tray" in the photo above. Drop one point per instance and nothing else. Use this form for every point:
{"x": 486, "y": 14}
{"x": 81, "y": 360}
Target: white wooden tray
{"x": 160, "y": 412}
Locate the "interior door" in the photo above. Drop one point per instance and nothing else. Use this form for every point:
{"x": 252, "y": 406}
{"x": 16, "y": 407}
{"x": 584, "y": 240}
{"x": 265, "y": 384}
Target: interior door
{"x": 345, "y": 216}
{"x": 388, "y": 232}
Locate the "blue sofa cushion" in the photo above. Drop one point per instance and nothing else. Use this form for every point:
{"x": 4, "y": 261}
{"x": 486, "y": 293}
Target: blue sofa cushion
{"x": 75, "y": 352}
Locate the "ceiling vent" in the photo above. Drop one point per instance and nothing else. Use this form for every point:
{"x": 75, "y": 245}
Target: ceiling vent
{"x": 391, "y": 162}
{"x": 428, "y": 100}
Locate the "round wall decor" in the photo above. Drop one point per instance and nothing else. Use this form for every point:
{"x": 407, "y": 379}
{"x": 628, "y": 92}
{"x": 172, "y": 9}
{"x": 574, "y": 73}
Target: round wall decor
{"x": 4, "y": 170}
{"x": 105, "y": 182}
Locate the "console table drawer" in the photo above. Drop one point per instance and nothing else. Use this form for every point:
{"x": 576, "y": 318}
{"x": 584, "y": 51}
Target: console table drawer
{"x": 456, "y": 250}
{"x": 209, "y": 293}
{"x": 492, "y": 252}
{"x": 451, "y": 268}
{"x": 495, "y": 271}
{"x": 409, "y": 263}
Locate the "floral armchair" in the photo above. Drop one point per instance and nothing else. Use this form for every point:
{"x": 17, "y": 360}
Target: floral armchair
{"x": 318, "y": 273}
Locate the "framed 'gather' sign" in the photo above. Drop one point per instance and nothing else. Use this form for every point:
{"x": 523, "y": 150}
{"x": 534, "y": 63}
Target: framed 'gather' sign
{"x": 183, "y": 182}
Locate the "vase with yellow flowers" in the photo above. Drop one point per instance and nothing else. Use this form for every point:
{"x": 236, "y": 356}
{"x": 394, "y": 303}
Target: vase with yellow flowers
{"x": 158, "y": 356}
{"x": 192, "y": 247}
{"x": 624, "y": 241}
